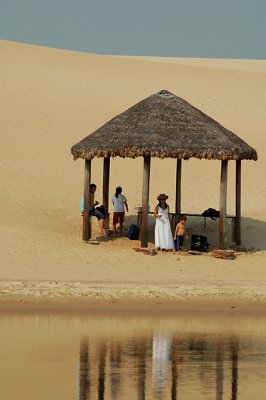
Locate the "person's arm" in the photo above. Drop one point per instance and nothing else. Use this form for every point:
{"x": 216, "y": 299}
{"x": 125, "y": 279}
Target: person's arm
{"x": 176, "y": 230}
{"x": 93, "y": 203}
{"x": 185, "y": 233}
{"x": 156, "y": 213}
{"x": 125, "y": 203}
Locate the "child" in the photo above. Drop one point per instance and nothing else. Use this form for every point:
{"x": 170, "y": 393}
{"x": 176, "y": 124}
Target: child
{"x": 163, "y": 233}
{"x": 119, "y": 202}
{"x": 180, "y": 232}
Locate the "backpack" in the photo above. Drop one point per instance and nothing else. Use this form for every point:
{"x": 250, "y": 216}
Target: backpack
{"x": 133, "y": 233}
{"x": 199, "y": 243}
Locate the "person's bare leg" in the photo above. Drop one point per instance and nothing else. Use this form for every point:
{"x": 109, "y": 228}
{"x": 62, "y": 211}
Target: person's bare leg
{"x": 114, "y": 229}
{"x": 101, "y": 227}
{"x": 121, "y": 228}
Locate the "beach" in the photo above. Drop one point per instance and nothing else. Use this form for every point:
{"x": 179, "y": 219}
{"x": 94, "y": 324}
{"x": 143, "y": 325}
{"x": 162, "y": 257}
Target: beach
{"x": 51, "y": 99}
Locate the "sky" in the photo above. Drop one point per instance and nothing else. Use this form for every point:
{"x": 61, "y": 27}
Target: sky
{"x": 179, "y": 28}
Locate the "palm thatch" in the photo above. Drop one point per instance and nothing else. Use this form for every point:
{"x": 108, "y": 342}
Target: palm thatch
{"x": 163, "y": 125}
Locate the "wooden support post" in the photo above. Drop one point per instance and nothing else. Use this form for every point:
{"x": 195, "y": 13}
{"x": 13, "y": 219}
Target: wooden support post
{"x": 106, "y": 176}
{"x": 223, "y": 193}
{"x": 238, "y": 204}
{"x": 86, "y": 235}
{"x": 178, "y": 190}
{"x": 145, "y": 201}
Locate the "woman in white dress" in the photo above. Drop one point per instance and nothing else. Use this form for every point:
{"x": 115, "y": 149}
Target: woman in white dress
{"x": 163, "y": 234}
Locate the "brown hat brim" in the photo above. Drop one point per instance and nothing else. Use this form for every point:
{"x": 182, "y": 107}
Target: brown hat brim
{"x": 162, "y": 197}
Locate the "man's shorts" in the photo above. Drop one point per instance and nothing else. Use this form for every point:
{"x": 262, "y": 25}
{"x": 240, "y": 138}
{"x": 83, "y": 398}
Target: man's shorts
{"x": 118, "y": 217}
{"x": 96, "y": 213}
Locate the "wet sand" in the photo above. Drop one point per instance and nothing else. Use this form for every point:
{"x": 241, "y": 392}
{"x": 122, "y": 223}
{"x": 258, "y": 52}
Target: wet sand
{"x": 76, "y": 297}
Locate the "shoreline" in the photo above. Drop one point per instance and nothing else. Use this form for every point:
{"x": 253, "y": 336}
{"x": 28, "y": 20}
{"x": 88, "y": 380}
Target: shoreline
{"x": 51, "y": 296}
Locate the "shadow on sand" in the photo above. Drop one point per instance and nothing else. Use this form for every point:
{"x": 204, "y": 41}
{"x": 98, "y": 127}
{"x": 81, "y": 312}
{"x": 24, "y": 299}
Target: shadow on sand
{"x": 253, "y": 231}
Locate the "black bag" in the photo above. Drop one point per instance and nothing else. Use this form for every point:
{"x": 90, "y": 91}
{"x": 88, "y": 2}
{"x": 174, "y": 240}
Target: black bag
{"x": 199, "y": 243}
{"x": 212, "y": 213}
{"x": 133, "y": 233}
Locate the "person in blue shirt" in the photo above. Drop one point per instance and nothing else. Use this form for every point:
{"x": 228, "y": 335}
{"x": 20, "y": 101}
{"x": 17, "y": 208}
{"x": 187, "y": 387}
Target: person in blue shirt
{"x": 92, "y": 210}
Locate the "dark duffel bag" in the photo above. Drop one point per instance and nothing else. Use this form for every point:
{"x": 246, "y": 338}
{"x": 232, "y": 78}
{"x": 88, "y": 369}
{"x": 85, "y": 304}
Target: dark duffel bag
{"x": 199, "y": 243}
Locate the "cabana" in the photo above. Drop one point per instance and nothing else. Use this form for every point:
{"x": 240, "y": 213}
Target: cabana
{"x": 164, "y": 125}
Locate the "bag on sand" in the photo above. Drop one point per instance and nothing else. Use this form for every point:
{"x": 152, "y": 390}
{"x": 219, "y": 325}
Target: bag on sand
{"x": 133, "y": 233}
{"x": 199, "y": 243}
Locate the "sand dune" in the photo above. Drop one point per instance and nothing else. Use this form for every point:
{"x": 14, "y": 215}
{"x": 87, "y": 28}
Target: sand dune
{"x": 50, "y": 99}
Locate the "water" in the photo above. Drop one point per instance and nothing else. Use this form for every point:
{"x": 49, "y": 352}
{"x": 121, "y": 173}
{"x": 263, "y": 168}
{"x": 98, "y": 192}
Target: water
{"x": 129, "y": 356}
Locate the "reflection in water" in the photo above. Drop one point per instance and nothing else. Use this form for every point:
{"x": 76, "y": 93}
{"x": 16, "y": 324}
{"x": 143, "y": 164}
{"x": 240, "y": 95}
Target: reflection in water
{"x": 113, "y": 357}
{"x": 158, "y": 365}
{"x": 161, "y": 346}
{"x": 234, "y": 352}
{"x": 101, "y": 372}
{"x": 176, "y": 356}
{"x": 84, "y": 380}
{"x": 141, "y": 361}
{"x": 219, "y": 369}
{"x": 115, "y": 367}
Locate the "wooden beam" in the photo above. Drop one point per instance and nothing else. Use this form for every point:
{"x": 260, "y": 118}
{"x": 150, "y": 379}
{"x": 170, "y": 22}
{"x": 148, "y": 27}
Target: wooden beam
{"x": 106, "y": 178}
{"x": 86, "y": 234}
{"x": 178, "y": 189}
{"x": 238, "y": 204}
{"x": 223, "y": 194}
{"x": 145, "y": 201}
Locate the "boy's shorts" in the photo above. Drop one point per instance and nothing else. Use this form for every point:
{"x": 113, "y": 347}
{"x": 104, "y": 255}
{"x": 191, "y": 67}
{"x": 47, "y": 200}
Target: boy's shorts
{"x": 118, "y": 217}
{"x": 179, "y": 242}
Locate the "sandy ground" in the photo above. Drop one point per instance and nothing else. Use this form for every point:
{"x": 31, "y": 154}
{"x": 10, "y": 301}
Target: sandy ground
{"x": 50, "y": 99}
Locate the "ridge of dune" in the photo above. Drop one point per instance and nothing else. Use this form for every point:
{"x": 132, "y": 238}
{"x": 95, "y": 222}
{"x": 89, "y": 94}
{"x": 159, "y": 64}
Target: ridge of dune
{"x": 51, "y": 99}
{"x": 216, "y": 63}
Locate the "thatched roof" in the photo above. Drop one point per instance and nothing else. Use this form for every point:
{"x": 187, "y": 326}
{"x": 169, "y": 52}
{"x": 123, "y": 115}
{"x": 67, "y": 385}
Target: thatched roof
{"x": 163, "y": 125}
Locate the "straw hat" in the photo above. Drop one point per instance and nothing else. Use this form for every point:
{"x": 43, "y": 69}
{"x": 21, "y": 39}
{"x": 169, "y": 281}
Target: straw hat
{"x": 162, "y": 196}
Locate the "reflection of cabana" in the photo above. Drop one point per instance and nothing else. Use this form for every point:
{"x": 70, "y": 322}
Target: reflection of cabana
{"x": 219, "y": 369}
{"x": 141, "y": 361}
{"x": 84, "y": 362}
{"x": 234, "y": 358}
{"x": 164, "y": 125}
{"x": 101, "y": 372}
